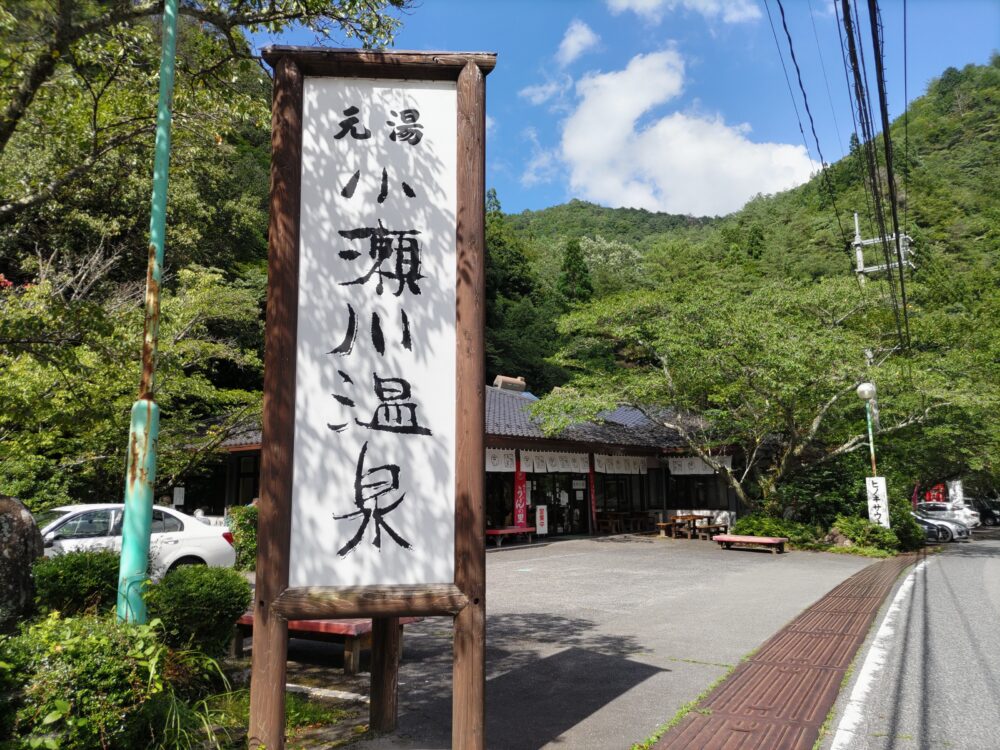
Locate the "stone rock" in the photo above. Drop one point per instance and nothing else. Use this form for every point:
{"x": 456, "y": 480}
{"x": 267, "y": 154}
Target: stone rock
{"x": 20, "y": 545}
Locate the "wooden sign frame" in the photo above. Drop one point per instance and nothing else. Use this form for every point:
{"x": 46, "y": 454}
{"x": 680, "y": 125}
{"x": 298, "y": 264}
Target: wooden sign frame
{"x": 464, "y": 599}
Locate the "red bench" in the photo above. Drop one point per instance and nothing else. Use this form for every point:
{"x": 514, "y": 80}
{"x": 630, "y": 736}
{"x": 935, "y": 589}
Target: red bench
{"x": 499, "y": 534}
{"x": 775, "y": 543}
{"x": 355, "y": 634}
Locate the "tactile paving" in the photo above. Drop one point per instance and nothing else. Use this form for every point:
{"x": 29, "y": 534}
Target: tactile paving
{"x": 779, "y": 698}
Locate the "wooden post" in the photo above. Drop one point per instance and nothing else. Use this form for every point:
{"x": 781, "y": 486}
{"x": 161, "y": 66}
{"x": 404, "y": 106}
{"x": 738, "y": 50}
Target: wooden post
{"x": 270, "y": 630}
{"x": 386, "y": 647}
{"x": 469, "y": 675}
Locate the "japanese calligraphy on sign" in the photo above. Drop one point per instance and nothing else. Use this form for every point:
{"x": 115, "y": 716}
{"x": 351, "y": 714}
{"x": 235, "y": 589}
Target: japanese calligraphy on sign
{"x": 373, "y": 486}
{"x": 878, "y": 501}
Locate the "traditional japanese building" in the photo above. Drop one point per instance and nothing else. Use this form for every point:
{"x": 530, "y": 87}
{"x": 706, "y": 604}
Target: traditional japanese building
{"x": 625, "y": 467}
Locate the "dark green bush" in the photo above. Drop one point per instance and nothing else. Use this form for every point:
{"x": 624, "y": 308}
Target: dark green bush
{"x": 864, "y": 533}
{"x": 92, "y": 682}
{"x": 85, "y": 682}
{"x": 76, "y": 582}
{"x": 909, "y": 533}
{"x": 243, "y": 524}
{"x": 758, "y": 524}
{"x": 199, "y": 606}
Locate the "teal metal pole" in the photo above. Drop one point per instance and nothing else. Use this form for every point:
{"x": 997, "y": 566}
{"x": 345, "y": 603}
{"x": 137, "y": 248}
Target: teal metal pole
{"x": 140, "y": 478}
{"x": 871, "y": 436}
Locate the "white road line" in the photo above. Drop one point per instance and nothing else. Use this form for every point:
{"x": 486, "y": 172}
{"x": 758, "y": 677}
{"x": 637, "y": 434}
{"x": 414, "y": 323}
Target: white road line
{"x": 873, "y": 665}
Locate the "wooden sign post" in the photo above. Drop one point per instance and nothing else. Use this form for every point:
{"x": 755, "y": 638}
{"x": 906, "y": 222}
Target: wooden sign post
{"x": 372, "y": 461}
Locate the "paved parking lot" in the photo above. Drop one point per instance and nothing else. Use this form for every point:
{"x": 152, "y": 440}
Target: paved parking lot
{"x": 593, "y": 643}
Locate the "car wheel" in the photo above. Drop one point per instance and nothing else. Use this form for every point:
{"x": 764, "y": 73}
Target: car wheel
{"x": 945, "y": 534}
{"x": 990, "y": 521}
{"x": 185, "y": 561}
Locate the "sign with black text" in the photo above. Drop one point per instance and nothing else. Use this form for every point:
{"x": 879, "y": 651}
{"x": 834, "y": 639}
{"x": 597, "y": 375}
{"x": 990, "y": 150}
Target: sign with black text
{"x": 878, "y": 501}
{"x": 374, "y": 454}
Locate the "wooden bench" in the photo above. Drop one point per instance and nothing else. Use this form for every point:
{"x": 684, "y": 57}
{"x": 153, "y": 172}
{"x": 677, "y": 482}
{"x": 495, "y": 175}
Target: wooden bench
{"x": 355, "y": 634}
{"x": 775, "y": 543}
{"x": 499, "y": 534}
{"x": 706, "y": 531}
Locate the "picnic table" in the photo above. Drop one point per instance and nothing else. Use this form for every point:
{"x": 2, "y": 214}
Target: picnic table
{"x": 685, "y": 523}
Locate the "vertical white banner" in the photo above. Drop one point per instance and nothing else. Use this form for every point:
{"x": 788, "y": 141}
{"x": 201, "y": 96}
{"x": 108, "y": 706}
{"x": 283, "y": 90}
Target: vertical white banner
{"x": 374, "y": 478}
{"x": 541, "y": 519}
{"x": 878, "y": 501}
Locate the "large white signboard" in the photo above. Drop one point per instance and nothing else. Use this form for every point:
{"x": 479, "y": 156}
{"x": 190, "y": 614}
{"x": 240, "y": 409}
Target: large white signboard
{"x": 878, "y": 501}
{"x": 373, "y": 497}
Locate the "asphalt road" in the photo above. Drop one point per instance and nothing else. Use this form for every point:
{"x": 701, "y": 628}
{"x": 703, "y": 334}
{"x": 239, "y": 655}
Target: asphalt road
{"x": 929, "y": 676}
{"x": 593, "y": 643}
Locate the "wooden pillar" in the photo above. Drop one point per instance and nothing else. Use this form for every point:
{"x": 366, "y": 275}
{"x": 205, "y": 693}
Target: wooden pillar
{"x": 469, "y": 675}
{"x": 386, "y": 646}
{"x": 270, "y": 630}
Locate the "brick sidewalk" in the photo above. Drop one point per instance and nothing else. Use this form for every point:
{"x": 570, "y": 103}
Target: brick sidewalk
{"x": 779, "y": 698}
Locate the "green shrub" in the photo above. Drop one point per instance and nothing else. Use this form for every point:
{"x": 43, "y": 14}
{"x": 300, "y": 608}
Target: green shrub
{"x": 909, "y": 533}
{"x": 199, "y": 606}
{"x": 76, "y": 582}
{"x": 83, "y": 682}
{"x": 243, "y": 524}
{"x": 758, "y": 524}
{"x": 92, "y": 682}
{"x": 864, "y": 533}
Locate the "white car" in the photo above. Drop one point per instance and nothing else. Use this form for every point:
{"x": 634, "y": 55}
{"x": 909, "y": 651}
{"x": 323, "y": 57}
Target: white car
{"x": 175, "y": 539}
{"x": 950, "y": 512}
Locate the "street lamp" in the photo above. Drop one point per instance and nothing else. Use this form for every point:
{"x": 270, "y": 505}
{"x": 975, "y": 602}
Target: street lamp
{"x": 866, "y": 392}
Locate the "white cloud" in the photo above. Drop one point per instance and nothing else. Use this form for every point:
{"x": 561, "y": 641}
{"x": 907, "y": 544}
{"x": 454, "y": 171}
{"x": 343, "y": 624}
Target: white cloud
{"x": 544, "y": 163}
{"x": 578, "y": 39}
{"x": 542, "y": 92}
{"x": 491, "y": 125}
{"x": 729, "y": 11}
{"x": 679, "y": 163}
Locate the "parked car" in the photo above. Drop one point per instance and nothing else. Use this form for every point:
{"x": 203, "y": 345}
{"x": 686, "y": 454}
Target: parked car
{"x": 176, "y": 538}
{"x": 932, "y": 532}
{"x": 950, "y": 512}
{"x": 948, "y": 531}
{"x": 989, "y": 511}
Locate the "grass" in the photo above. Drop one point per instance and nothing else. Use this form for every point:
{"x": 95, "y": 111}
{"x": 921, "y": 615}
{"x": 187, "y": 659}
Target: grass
{"x": 229, "y": 713}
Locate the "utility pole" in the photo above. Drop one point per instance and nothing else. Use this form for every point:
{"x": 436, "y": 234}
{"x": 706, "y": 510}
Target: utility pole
{"x": 859, "y": 254}
{"x": 140, "y": 478}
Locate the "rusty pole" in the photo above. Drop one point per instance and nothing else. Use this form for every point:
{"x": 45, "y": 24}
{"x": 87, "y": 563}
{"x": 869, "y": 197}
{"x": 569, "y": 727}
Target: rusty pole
{"x": 140, "y": 477}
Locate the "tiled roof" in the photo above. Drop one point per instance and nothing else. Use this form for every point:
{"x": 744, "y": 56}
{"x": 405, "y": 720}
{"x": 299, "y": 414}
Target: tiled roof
{"x": 507, "y": 416}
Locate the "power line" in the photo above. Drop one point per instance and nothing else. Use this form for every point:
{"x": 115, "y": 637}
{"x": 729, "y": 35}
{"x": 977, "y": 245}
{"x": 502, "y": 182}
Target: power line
{"x": 812, "y": 124}
{"x": 788, "y": 82}
{"x": 826, "y": 81}
{"x": 876, "y": 28}
{"x": 864, "y": 116}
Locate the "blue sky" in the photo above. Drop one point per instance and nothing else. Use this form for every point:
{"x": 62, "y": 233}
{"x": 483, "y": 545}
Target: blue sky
{"x": 674, "y": 105}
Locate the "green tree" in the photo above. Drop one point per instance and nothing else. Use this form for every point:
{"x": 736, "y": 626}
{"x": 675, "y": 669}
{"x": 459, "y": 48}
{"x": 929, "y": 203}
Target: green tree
{"x": 71, "y": 373}
{"x": 574, "y": 277}
{"x": 771, "y": 373}
{"x": 520, "y": 318}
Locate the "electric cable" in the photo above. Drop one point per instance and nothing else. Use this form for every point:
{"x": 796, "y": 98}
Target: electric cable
{"x": 812, "y": 124}
{"x": 875, "y": 21}
{"x": 788, "y": 82}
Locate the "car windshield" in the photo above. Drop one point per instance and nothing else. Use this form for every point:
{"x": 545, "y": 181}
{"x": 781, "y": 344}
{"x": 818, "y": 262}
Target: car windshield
{"x": 44, "y": 517}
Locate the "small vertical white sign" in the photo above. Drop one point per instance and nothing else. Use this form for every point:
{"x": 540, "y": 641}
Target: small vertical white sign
{"x": 541, "y": 519}
{"x": 878, "y": 501}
